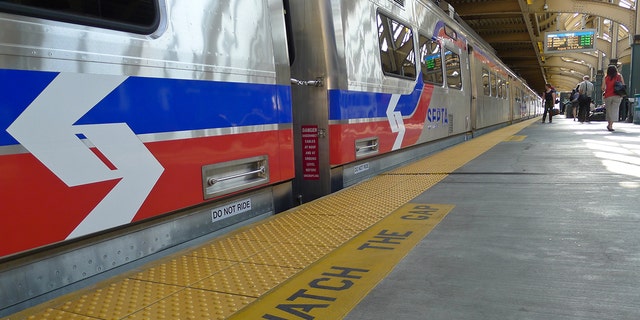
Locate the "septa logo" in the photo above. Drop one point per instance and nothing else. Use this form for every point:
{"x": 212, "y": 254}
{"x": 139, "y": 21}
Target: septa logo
{"x": 46, "y": 129}
{"x": 438, "y": 115}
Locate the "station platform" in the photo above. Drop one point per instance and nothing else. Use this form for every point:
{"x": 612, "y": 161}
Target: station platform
{"x": 530, "y": 221}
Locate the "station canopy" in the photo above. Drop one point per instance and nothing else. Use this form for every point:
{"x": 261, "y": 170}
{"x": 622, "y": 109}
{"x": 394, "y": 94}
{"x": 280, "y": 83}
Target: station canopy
{"x": 517, "y": 30}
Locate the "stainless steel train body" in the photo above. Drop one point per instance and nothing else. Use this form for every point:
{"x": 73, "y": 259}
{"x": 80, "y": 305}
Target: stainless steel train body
{"x": 129, "y": 127}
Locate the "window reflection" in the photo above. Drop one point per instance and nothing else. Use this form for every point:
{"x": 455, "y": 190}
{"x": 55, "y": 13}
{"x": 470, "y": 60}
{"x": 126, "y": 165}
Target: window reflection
{"x": 485, "y": 82}
{"x": 431, "y": 61}
{"x": 452, "y": 62}
{"x": 396, "y": 47}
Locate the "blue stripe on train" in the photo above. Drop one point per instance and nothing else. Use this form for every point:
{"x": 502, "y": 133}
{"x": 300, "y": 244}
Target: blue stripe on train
{"x": 154, "y": 105}
{"x": 346, "y": 105}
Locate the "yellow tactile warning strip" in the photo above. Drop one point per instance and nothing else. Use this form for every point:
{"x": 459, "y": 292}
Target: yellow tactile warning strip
{"x": 515, "y": 138}
{"x": 307, "y": 247}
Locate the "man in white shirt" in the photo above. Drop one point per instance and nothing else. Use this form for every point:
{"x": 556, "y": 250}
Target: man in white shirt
{"x": 585, "y": 89}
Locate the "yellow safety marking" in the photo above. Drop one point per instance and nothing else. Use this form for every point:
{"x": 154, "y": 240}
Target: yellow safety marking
{"x": 194, "y": 304}
{"x": 54, "y": 314}
{"x": 325, "y": 219}
{"x": 274, "y": 231}
{"x": 331, "y": 287}
{"x": 290, "y": 255}
{"x": 248, "y": 279}
{"x": 232, "y": 249}
{"x": 182, "y": 271}
{"x": 109, "y": 303}
{"x": 515, "y": 138}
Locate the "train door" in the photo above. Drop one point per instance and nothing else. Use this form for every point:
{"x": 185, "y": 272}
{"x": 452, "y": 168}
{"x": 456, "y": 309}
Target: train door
{"x": 514, "y": 99}
{"x": 511, "y": 99}
{"x": 474, "y": 86}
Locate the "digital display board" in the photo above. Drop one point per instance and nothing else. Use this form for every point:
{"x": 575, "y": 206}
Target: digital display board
{"x": 570, "y": 41}
{"x": 430, "y": 61}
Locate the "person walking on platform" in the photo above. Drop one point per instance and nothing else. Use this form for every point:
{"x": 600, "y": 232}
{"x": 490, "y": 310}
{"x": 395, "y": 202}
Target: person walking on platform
{"x": 549, "y": 101}
{"x": 585, "y": 89}
{"x": 574, "y": 103}
{"x": 611, "y": 99}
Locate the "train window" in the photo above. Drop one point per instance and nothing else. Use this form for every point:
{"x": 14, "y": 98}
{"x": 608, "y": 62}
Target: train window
{"x": 485, "y": 82}
{"x": 500, "y": 81}
{"x": 431, "y": 61}
{"x": 396, "y": 48}
{"x": 138, "y": 16}
{"x": 454, "y": 73}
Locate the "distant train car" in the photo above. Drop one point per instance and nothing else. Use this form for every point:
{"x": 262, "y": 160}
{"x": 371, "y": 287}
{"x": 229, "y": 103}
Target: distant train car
{"x": 132, "y": 126}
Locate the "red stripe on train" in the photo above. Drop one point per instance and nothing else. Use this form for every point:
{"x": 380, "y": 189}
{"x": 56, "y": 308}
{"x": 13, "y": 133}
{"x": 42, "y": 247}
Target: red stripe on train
{"x": 38, "y": 209}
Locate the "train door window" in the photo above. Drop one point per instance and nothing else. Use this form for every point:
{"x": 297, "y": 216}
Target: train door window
{"x": 138, "y": 16}
{"x": 431, "y": 60}
{"x": 485, "y": 82}
{"x": 500, "y": 81}
{"x": 450, "y": 32}
{"x": 494, "y": 85}
{"x": 520, "y": 96}
{"x": 396, "y": 48}
{"x": 454, "y": 72}
{"x": 506, "y": 89}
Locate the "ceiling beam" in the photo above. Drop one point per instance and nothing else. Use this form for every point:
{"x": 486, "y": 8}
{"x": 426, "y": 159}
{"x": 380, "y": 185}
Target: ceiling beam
{"x": 489, "y": 8}
{"x": 588, "y": 59}
{"x": 508, "y": 37}
{"x": 524, "y": 9}
{"x": 507, "y": 53}
{"x": 606, "y": 10}
{"x": 574, "y": 78}
{"x": 563, "y": 83}
{"x": 558, "y": 62}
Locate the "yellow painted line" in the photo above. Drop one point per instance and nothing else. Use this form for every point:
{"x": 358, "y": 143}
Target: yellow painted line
{"x": 515, "y": 138}
{"x": 331, "y": 287}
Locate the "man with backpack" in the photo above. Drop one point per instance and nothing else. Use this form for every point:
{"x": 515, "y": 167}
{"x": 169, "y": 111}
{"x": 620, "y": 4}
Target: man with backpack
{"x": 585, "y": 89}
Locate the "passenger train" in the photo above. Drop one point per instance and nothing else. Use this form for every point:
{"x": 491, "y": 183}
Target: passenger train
{"x": 129, "y": 127}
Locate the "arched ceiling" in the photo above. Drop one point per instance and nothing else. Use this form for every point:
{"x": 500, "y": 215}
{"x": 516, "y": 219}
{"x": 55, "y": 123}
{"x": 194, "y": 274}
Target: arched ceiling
{"x": 516, "y": 30}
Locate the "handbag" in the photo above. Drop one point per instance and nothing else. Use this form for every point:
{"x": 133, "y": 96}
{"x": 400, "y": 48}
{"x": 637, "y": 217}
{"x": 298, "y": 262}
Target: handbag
{"x": 620, "y": 88}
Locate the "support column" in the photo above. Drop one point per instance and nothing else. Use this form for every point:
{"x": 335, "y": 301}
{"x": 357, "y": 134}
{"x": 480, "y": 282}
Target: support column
{"x": 633, "y": 83}
{"x": 614, "y": 40}
{"x": 597, "y": 90}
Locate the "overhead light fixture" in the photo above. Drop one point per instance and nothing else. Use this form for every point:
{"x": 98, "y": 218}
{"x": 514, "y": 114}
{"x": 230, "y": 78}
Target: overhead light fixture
{"x": 545, "y": 7}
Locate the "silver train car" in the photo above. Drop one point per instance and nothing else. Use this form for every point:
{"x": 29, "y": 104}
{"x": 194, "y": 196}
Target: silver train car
{"x": 130, "y": 127}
